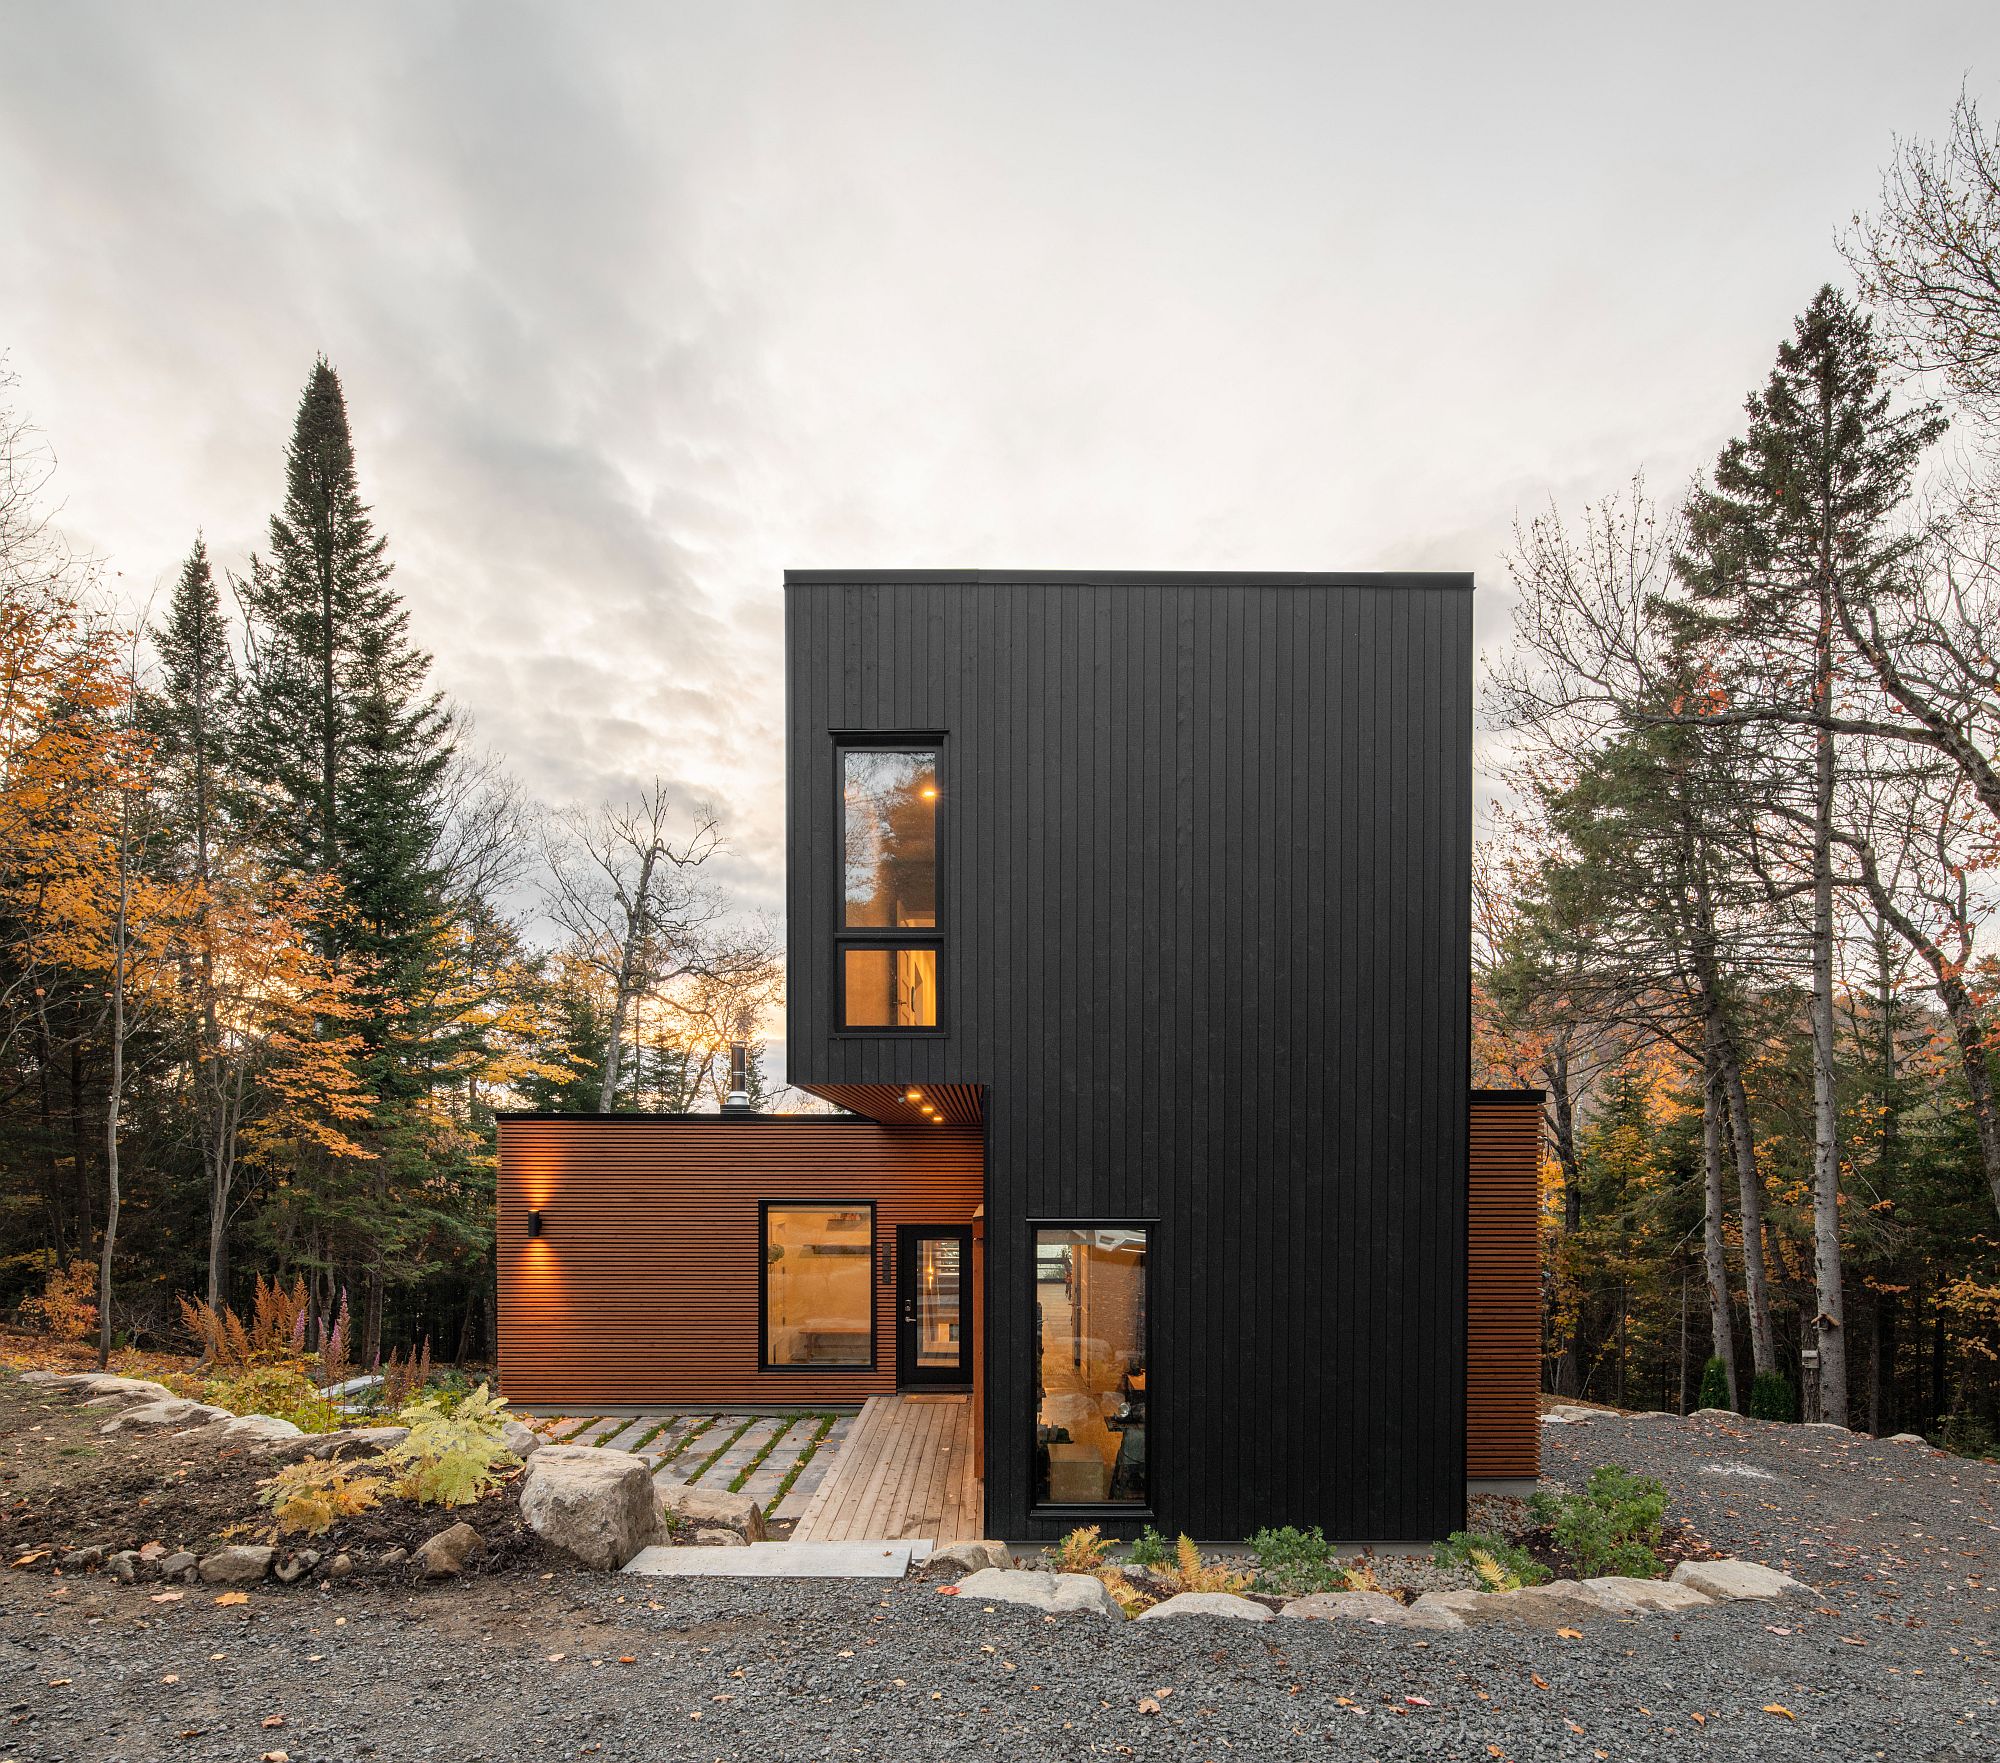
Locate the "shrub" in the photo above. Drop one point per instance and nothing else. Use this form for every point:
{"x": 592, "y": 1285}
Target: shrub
{"x": 451, "y": 1459}
{"x": 1772, "y": 1398}
{"x": 404, "y": 1379}
{"x": 310, "y": 1496}
{"x": 275, "y": 1333}
{"x": 1613, "y": 1526}
{"x": 1714, "y": 1385}
{"x": 1501, "y": 1566}
{"x": 1188, "y": 1572}
{"x": 67, "y": 1306}
{"x": 1297, "y": 1561}
{"x": 1150, "y": 1549}
{"x": 1966, "y": 1435}
{"x": 286, "y": 1392}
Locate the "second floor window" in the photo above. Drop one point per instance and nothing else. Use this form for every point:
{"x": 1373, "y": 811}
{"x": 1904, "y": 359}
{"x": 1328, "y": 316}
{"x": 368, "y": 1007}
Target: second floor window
{"x": 890, "y": 950}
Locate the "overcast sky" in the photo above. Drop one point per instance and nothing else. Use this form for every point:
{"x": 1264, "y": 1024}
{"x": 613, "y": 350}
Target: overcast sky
{"x": 636, "y": 307}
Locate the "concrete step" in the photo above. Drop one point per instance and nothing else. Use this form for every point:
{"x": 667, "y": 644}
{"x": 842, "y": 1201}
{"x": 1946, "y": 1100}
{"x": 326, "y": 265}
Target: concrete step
{"x": 887, "y": 1558}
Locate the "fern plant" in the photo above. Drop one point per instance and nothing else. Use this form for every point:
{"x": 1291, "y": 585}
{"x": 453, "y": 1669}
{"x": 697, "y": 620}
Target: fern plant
{"x": 1082, "y": 1551}
{"x": 311, "y": 1496}
{"x": 1190, "y": 1573}
{"x": 1501, "y": 1566}
{"x": 451, "y": 1458}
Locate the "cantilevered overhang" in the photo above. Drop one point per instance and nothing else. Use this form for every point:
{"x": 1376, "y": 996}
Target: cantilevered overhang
{"x": 905, "y": 1104}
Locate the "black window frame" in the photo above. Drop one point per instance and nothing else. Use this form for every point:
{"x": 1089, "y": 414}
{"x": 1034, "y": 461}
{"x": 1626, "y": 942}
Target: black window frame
{"x": 764, "y": 1210}
{"x": 1102, "y": 1511}
{"x": 889, "y": 937}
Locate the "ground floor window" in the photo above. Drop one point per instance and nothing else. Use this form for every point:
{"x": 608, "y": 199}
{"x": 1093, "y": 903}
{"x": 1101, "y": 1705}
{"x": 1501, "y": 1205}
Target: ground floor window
{"x": 1090, "y": 1379}
{"x": 819, "y": 1298}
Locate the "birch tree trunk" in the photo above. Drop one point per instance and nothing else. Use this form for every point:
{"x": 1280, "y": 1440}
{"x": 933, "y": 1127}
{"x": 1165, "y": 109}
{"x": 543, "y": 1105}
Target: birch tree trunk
{"x": 1714, "y": 1261}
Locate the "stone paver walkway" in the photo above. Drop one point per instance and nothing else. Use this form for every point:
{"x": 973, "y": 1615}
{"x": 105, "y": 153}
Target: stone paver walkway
{"x": 779, "y": 1460}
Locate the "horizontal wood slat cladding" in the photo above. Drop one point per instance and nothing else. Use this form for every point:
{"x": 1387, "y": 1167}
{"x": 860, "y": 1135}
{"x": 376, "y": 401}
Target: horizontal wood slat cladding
{"x": 1503, "y": 1432}
{"x": 958, "y": 1103}
{"x": 645, "y": 1283}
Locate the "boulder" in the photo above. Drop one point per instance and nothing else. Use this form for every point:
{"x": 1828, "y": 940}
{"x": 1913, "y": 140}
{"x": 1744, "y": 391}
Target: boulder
{"x": 181, "y": 1564}
{"x": 1344, "y": 1607}
{"x": 713, "y": 1537}
{"x": 259, "y": 1429}
{"x": 445, "y": 1555}
{"x": 523, "y": 1441}
{"x": 1450, "y": 1609}
{"x": 1567, "y": 1414}
{"x": 695, "y": 1505}
{"x": 79, "y": 1560}
{"x": 969, "y": 1557}
{"x": 173, "y": 1411}
{"x": 1226, "y": 1604}
{"x": 295, "y": 1566}
{"x": 125, "y": 1566}
{"x": 596, "y": 1504}
{"x": 340, "y": 1566}
{"x": 1846, "y": 1432}
{"x": 1729, "y": 1579}
{"x": 354, "y": 1441}
{"x": 239, "y": 1564}
{"x": 1647, "y": 1595}
{"x": 1715, "y": 1414}
{"x": 1906, "y": 1438}
{"x": 109, "y": 1383}
{"x": 1054, "y": 1592}
{"x": 40, "y": 1376}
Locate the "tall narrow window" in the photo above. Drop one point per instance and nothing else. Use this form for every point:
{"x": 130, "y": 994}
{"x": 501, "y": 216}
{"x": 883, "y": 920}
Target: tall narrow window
{"x": 890, "y": 951}
{"x": 819, "y": 1294}
{"x": 1090, "y": 1370}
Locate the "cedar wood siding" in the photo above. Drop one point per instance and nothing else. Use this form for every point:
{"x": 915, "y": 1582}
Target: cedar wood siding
{"x": 646, "y": 1283}
{"x": 1503, "y": 1430}
{"x": 1206, "y": 855}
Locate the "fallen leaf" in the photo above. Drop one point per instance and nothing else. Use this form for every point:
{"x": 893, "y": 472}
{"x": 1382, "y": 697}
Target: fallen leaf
{"x": 1147, "y": 1705}
{"x": 273, "y": 1720}
{"x": 168, "y": 1597}
{"x": 1418, "y": 1701}
{"x": 1538, "y": 1680}
{"x": 1699, "y": 1719}
{"x": 628, "y": 1659}
{"x": 56, "y": 1683}
{"x": 31, "y": 1557}
{"x": 171, "y": 1677}
{"x": 948, "y": 1591}
{"x": 1572, "y": 1725}
{"x": 232, "y": 1597}
{"x": 1773, "y": 1628}
{"x": 1779, "y": 1708}
{"x": 1570, "y": 1634}
{"x": 275, "y": 1757}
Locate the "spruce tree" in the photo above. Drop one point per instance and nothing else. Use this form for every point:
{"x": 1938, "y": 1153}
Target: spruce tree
{"x": 1796, "y": 522}
{"x": 349, "y": 748}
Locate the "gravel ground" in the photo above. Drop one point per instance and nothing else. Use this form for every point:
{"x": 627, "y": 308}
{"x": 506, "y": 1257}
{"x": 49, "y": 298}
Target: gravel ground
{"x": 1894, "y": 1658}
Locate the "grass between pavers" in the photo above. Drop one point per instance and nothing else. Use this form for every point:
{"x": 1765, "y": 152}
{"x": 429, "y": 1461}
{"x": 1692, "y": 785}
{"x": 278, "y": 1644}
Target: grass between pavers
{"x": 708, "y": 1462}
{"x": 651, "y": 1433}
{"x": 580, "y": 1427}
{"x": 694, "y": 1432}
{"x": 806, "y": 1456}
{"x": 770, "y": 1444}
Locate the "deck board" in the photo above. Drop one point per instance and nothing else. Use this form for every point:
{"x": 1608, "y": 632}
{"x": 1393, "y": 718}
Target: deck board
{"x": 904, "y": 1471}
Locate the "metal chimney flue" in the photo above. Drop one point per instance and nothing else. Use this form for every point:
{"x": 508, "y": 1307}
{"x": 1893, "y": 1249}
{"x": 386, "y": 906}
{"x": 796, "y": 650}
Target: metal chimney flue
{"x": 738, "y": 1099}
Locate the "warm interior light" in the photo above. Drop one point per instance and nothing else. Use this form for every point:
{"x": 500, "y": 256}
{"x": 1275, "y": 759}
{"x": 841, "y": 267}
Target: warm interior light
{"x": 930, "y": 792}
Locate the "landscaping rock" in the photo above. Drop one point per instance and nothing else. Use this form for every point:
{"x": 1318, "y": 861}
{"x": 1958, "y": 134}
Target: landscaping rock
{"x": 1906, "y": 1438}
{"x": 41, "y": 1377}
{"x": 597, "y": 1505}
{"x": 181, "y": 1564}
{"x": 446, "y": 1554}
{"x": 1344, "y": 1607}
{"x": 1648, "y": 1595}
{"x": 693, "y": 1505}
{"x": 125, "y": 1566}
{"x": 340, "y": 1566}
{"x": 295, "y": 1566}
{"x": 969, "y": 1557}
{"x": 523, "y": 1441}
{"x": 1226, "y": 1604}
{"x": 81, "y": 1560}
{"x": 109, "y": 1383}
{"x": 1567, "y": 1414}
{"x": 260, "y": 1429}
{"x": 1715, "y": 1414}
{"x": 239, "y": 1564}
{"x": 354, "y": 1441}
{"x": 1827, "y": 1426}
{"x": 714, "y": 1537}
{"x": 172, "y": 1411}
{"x": 1730, "y": 1579}
{"x": 1054, "y": 1592}
{"x": 395, "y": 1557}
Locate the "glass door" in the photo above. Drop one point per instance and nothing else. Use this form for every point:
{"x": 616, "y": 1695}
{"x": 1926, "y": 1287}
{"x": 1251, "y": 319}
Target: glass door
{"x": 933, "y": 1305}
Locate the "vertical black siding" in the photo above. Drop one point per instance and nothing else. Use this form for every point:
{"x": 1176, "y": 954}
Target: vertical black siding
{"x": 1207, "y": 847}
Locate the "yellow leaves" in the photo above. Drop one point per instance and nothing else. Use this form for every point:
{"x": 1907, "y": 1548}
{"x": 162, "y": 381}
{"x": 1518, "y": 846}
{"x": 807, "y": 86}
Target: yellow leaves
{"x": 1779, "y": 1709}
{"x": 1569, "y": 1634}
{"x": 227, "y": 1598}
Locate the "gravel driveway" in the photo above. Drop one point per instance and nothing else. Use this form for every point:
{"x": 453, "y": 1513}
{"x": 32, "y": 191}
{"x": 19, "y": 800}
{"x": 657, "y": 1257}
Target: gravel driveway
{"x": 1893, "y": 1660}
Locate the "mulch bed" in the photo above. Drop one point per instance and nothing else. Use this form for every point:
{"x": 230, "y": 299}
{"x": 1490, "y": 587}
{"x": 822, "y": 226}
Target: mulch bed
{"x": 65, "y": 1484}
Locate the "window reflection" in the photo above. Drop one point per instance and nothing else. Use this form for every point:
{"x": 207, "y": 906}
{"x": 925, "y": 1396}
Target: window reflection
{"x": 891, "y": 988}
{"x": 890, "y": 839}
{"x": 1090, "y": 1422}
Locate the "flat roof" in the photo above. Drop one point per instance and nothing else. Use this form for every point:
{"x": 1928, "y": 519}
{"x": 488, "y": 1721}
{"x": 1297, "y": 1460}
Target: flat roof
{"x": 1133, "y": 578}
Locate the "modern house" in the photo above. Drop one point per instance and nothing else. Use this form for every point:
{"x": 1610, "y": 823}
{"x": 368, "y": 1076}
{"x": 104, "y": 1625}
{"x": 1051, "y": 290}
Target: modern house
{"x": 1129, "y": 917}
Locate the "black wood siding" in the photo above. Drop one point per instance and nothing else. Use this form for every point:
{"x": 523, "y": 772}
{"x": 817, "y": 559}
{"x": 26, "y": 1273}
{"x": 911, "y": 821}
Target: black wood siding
{"x": 1206, "y": 846}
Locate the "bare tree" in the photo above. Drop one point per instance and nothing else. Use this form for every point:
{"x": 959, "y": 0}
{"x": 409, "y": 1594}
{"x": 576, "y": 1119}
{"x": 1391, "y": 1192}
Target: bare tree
{"x": 633, "y": 901}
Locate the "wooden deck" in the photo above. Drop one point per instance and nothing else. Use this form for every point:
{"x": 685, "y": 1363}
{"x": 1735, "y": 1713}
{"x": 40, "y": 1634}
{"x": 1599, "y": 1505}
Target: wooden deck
{"x": 905, "y": 1471}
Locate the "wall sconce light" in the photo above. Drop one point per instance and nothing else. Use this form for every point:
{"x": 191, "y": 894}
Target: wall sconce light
{"x": 534, "y": 1223}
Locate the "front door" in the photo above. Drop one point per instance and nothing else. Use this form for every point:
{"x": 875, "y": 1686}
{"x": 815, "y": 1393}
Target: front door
{"x": 933, "y": 1305}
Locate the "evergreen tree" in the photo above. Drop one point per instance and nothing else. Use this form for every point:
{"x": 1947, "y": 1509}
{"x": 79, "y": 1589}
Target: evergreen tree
{"x": 1796, "y": 522}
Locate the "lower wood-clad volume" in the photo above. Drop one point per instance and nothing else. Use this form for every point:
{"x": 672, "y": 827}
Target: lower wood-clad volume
{"x": 1503, "y": 1433}
{"x": 645, "y": 1281}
